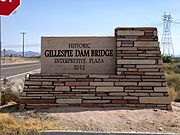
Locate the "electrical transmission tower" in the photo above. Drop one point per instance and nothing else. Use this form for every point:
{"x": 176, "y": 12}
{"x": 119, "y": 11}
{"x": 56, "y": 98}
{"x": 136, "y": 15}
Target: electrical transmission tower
{"x": 166, "y": 41}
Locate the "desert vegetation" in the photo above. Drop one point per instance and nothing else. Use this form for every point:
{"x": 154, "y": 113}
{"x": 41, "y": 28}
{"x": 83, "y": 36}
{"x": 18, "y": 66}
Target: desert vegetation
{"x": 172, "y": 75}
{"x": 9, "y": 124}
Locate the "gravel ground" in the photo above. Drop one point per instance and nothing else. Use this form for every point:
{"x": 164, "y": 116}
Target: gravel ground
{"x": 111, "y": 119}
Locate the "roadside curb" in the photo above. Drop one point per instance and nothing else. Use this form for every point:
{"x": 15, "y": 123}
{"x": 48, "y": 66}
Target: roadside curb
{"x": 58, "y": 132}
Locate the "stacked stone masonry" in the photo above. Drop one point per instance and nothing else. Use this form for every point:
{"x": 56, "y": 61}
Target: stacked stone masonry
{"x": 139, "y": 80}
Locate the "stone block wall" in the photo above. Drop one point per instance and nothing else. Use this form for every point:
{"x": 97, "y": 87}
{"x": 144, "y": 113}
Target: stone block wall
{"x": 139, "y": 80}
{"x": 139, "y": 63}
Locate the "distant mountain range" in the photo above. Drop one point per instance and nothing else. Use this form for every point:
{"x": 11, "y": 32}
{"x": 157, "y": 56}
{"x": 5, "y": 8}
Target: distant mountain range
{"x": 178, "y": 55}
{"x": 27, "y": 53}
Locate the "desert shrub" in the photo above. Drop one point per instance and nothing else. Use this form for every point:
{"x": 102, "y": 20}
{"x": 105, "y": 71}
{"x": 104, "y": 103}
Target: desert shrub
{"x": 168, "y": 68}
{"x": 11, "y": 125}
{"x": 167, "y": 59}
{"x": 177, "y": 59}
{"x": 173, "y": 81}
{"x": 177, "y": 96}
{"x": 177, "y": 68}
{"x": 172, "y": 94}
{"x": 172, "y": 68}
{"x": 8, "y": 94}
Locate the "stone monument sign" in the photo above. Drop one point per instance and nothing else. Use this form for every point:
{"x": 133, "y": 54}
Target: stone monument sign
{"x": 124, "y": 70}
{"x": 81, "y": 55}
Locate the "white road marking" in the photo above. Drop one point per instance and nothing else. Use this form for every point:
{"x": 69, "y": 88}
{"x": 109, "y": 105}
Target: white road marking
{"x": 13, "y": 76}
{"x": 19, "y": 66}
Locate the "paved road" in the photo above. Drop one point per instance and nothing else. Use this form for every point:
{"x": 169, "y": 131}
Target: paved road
{"x": 99, "y": 133}
{"x": 9, "y": 70}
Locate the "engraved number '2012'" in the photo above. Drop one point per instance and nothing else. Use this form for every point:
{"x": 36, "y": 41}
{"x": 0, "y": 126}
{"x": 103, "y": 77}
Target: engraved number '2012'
{"x": 79, "y": 67}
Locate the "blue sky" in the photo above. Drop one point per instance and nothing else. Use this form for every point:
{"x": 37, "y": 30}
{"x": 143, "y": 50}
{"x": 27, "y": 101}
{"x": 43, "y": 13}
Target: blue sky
{"x": 84, "y": 17}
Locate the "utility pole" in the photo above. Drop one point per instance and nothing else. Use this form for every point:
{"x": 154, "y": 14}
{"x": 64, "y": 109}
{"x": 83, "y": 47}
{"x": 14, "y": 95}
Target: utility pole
{"x": 4, "y": 55}
{"x": 23, "y": 33}
{"x": 0, "y": 53}
{"x": 0, "y": 61}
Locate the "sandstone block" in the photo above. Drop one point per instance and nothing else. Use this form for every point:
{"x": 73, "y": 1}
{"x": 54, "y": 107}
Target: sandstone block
{"x": 131, "y": 52}
{"x": 155, "y": 100}
{"x": 58, "y": 83}
{"x": 139, "y": 94}
{"x": 93, "y": 105}
{"x": 47, "y": 83}
{"x": 157, "y": 94}
{"x": 127, "y": 45}
{"x": 127, "y": 48}
{"x": 85, "y": 95}
{"x": 129, "y": 105}
{"x": 130, "y": 32}
{"x": 110, "y": 80}
{"x": 124, "y": 61}
{"x": 112, "y": 97}
{"x": 149, "y": 66}
{"x": 112, "y": 105}
{"x": 101, "y": 83}
{"x": 153, "y": 52}
{"x": 145, "y": 91}
{"x": 133, "y": 101}
{"x": 36, "y": 90}
{"x": 40, "y": 95}
{"x": 149, "y": 83}
{"x": 118, "y": 94}
{"x": 96, "y": 101}
{"x": 44, "y": 80}
{"x": 91, "y": 97}
{"x": 67, "y": 80}
{"x": 98, "y": 76}
{"x": 154, "y": 73}
{"x": 85, "y": 87}
{"x": 32, "y": 83}
{"x": 125, "y": 83}
{"x": 39, "y": 101}
{"x": 48, "y": 87}
{"x": 76, "y": 83}
{"x": 78, "y": 76}
{"x": 80, "y": 90}
{"x": 119, "y": 101}
{"x": 129, "y": 97}
{"x": 146, "y": 44}
{"x": 109, "y": 89}
{"x": 62, "y": 88}
{"x": 48, "y": 97}
{"x": 160, "y": 89}
{"x": 69, "y": 101}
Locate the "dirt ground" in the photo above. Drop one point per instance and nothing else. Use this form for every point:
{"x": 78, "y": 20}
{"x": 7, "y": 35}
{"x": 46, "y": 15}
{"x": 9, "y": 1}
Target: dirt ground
{"x": 111, "y": 119}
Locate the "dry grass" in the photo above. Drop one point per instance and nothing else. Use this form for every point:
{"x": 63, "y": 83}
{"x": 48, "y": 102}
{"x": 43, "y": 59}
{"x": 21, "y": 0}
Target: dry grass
{"x": 9, "y": 124}
{"x": 172, "y": 75}
{"x": 172, "y": 94}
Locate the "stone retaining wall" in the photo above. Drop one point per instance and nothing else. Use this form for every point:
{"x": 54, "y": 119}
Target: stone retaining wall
{"x": 139, "y": 80}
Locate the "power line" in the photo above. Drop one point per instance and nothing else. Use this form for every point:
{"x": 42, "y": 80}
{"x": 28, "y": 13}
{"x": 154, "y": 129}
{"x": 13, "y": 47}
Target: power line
{"x": 153, "y": 23}
{"x": 23, "y": 33}
{"x": 176, "y": 22}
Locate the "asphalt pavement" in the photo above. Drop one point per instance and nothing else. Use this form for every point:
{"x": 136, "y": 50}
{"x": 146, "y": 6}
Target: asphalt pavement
{"x": 51, "y": 132}
{"x": 10, "y": 70}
